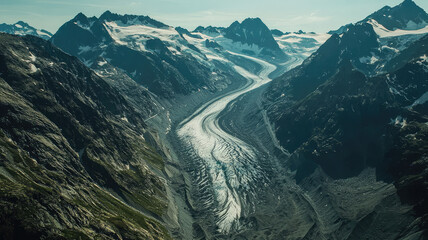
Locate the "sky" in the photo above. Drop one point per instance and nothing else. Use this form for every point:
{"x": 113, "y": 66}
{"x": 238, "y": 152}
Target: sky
{"x": 285, "y": 15}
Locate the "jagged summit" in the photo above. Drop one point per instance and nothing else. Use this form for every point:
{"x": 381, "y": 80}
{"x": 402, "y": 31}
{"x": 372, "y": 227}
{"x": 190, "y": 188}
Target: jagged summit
{"x": 406, "y": 15}
{"x": 252, "y": 31}
{"x": 183, "y": 31}
{"x": 107, "y": 14}
{"x": 82, "y": 19}
{"x": 210, "y": 30}
{"x": 131, "y": 19}
{"x": 23, "y": 28}
{"x": 22, "y": 23}
{"x": 160, "y": 57}
{"x": 80, "y": 16}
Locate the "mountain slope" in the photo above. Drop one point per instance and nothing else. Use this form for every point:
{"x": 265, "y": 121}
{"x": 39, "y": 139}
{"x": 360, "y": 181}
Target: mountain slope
{"x": 353, "y": 106}
{"x": 75, "y": 153}
{"x": 406, "y": 15}
{"x": 153, "y": 54}
{"x": 361, "y": 44}
{"x": 300, "y": 44}
{"x": 322, "y": 64}
{"x": 254, "y": 31}
{"x": 22, "y": 28}
{"x": 416, "y": 50}
{"x": 334, "y": 115}
{"x": 352, "y": 122}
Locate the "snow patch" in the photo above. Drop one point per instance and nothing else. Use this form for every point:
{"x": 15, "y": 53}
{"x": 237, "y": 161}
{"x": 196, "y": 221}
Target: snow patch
{"x": 399, "y": 121}
{"x": 369, "y": 60}
{"x": 33, "y": 68}
{"x": 84, "y": 49}
{"x": 32, "y": 57}
{"x": 134, "y": 73}
{"x": 383, "y": 32}
{"x": 124, "y": 118}
{"x": 102, "y": 63}
{"x": 136, "y": 36}
{"x": 423, "y": 99}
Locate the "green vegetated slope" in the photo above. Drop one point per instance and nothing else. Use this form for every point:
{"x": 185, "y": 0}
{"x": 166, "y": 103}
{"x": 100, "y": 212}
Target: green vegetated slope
{"x": 75, "y": 162}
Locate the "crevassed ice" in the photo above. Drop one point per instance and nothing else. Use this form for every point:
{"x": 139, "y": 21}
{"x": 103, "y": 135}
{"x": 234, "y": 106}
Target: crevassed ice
{"x": 229, "y": 160}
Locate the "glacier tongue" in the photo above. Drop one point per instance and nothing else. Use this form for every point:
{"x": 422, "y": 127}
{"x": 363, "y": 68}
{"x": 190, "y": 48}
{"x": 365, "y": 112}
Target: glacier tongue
{"x": 231, "y": 162}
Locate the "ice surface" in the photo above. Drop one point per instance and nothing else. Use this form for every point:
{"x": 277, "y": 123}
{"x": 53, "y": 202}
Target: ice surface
{"x": 383, "y": 32}
{"x": 229, "y": 160}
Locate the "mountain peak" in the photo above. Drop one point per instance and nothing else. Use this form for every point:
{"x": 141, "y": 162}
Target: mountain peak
{"x": 253, "y": 23}
{"x": 251, "y": 31}
{"x": 23, "y": 28}
{"x": 80, "y": 17}
{"x": 108, "y": 15}
{"x": 210, "y": 30}
{"x": 409, "y": 3}
{"x": 253, "y": 20}
{"x": 131, "y": 19}
{"x": 22, "y": 23}
{"x": 107, "y": 12}
{"x": 407, "y": 15}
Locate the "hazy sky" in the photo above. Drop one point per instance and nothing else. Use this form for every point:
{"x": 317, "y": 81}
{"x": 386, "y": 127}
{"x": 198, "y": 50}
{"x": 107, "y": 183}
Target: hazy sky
{"x": 286, "y": 15}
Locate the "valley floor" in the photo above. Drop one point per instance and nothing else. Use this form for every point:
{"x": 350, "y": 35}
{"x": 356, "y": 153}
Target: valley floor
{"x": 238, "y": 183}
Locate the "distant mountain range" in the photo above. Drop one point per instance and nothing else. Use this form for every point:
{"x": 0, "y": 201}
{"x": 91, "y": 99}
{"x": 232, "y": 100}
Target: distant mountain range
{"x": 152, "y": 53}
{"x": 90, "y": 114}
{"x": 21, "y": 28}
{"x": 168, "y": 60}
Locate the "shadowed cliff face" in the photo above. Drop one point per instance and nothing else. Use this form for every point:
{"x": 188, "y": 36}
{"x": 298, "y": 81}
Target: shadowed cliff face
{"x": 254, "y": 31}
{"x": 344, "y": 124}
{"x": 331, "y": 113}
{"x": 75, "y": 159}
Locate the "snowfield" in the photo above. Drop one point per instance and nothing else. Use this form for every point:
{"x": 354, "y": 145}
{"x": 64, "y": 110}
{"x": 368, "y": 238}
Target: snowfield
{"x": 382, "y": 32}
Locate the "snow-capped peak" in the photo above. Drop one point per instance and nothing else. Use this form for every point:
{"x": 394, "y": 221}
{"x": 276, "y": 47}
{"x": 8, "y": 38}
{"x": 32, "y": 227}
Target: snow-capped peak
{"x": 405, "y": 16}
{"x": 23, "y": 28}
